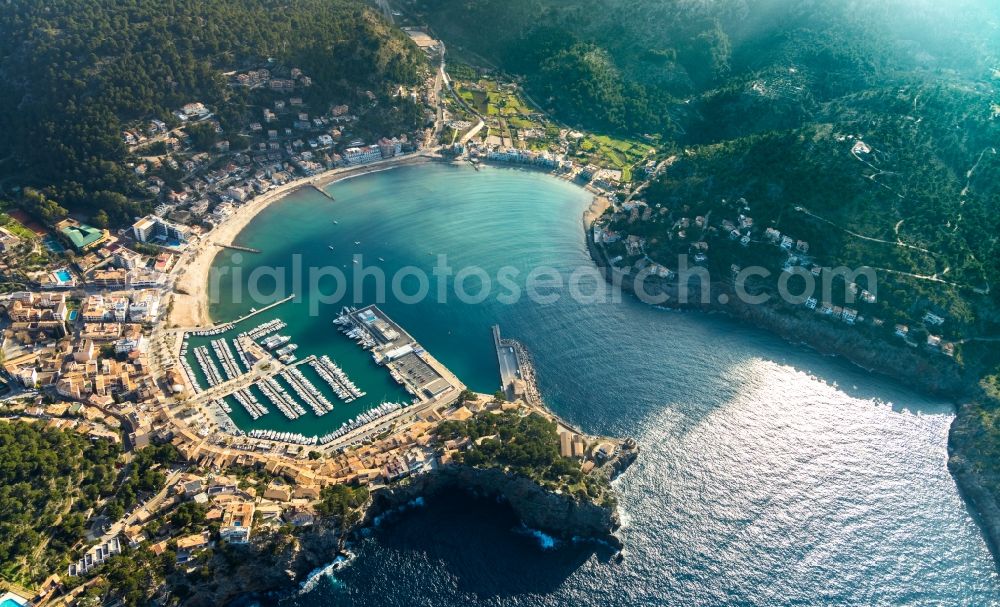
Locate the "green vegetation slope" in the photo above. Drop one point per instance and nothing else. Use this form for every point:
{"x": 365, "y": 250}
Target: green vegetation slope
{"x": 73, "y": 71}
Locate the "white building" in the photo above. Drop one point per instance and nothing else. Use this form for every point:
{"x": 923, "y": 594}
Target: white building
{"x": 363, "y": 154}
{"x": 152, "y": 228}
{"x": 130, "y": 342}
{"x": 145, "y": 307}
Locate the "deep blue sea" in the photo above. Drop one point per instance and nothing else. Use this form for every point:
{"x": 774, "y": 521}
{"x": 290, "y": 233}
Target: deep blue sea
{"x": 769, "y": 475}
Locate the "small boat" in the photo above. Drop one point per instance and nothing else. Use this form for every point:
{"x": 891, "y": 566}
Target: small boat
{"x": 355, "y": 261}
{"x": 357, "y": 242}
{"x": 335, "y": 221}
{"x": 329, "y": 246}
{"x": 380, "y": 259}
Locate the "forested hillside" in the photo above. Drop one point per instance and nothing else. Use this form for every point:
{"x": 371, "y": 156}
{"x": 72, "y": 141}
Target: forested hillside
{"x": 868, "y": 131}
{"x": 71, "y": 71}
{"x": 669, "y": 65}
{"x": 49, "y": 481}
{"x": 765, "y": 100}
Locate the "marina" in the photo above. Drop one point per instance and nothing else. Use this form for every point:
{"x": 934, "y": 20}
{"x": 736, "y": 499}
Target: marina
{"x": 249, "y": 402}
{"x": 280, "y": 398}
{"x": 208, "y": 368}
{"x": 225, "y": 355}
{"x": 228, "y": 368}
{"x": 265, "y": 328}
{"x": 297, "y": 438}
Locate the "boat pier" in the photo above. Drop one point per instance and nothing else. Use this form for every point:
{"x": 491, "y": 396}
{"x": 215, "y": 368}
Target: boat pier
{"x": 237, "y": 247}
{"x": 510, "y": 367}
{"x": 321, "y": 191}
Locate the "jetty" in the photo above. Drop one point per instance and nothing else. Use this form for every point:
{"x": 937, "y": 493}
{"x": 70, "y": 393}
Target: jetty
{"x": 222, "y": 328}
{"x": 237, "y": 247}
{"x": 510, "y": 369}
{"x": 261, "y": 311}
{"x": 321, "y": 191}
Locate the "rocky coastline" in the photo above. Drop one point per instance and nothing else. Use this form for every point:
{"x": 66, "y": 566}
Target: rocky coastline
{"x": 899, "y": 363}
{"x": 967, "y": 449}
{"x": 896, "y": 362}
{"x": 266, "y": 576}
{"x": 560, "y": 515}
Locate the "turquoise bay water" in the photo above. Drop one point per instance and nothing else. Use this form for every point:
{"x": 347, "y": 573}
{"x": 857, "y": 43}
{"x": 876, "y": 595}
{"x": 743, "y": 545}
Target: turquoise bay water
{"x": 769, "y": 475}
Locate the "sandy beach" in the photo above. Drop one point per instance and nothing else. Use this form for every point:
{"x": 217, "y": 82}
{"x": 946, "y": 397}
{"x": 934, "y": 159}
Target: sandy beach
{"x": 595, "y": 210}
{"x": 189, "y": 304}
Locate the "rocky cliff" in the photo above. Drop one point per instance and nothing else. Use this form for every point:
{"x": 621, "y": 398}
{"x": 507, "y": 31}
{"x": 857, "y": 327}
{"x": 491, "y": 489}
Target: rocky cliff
{"x": 971, "y": 450}
{"x": 972, "y": 460}
{"x": 557, "y": 514}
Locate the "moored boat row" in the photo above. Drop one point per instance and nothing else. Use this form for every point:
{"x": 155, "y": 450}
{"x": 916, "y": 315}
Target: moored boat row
{"x": 365, "y": 418}
{"x": 332, "y": 374}
{"x": 287, "y": 437}
{"x": 208, "y": 368}
{"x": 189, "y": 372}
{"x": 277, "y": 394}
{"x": 263, "y": 329}
{"x": 213, "y": 331}
{"x": 249, "y": 402}
{"x": 307, "y": 391}
{"x": 225, "y": 355}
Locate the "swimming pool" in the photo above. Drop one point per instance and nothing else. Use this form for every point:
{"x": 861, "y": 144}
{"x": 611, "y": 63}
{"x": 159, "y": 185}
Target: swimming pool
{"x": 63, "y": 276}
{"x": 12, "y": 600}
{"x": 53, "y": 245}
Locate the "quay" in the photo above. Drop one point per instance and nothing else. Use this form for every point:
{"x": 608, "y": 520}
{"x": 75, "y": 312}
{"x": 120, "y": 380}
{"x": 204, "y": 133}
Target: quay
{"x": 423, "y": 376}
{"x": 510, "y": 368}
{"x": 517, "y": 376}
